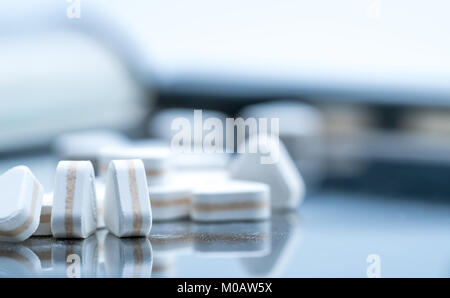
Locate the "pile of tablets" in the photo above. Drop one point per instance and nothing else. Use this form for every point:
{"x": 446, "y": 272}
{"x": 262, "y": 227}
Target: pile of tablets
{"x": 138, "y": 184}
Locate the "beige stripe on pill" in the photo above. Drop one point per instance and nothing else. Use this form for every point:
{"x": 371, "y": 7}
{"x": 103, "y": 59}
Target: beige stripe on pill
{"x": 30, "y": 219}
{"x": 71, "y": 181}
{"x": 169, "y": 203}
{"x": 45, "y": 218}
{"x": 208, "y": 207}
{"x": 154, "y": 173}
{"x": 135, "y": 205}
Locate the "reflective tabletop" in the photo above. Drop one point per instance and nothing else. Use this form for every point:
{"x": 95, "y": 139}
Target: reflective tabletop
{"x": 331, "y": 235}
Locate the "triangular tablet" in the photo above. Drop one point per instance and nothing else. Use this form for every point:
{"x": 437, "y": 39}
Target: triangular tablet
{"x": 20, "y": 203}
{"x": 273, "y": 165}
{"x": 74, "y": 213}
{"x": 127, "y": 205}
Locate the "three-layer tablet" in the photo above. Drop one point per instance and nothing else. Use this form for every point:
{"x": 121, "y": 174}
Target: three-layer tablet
{"x": 127, "y": 210}
{"x": 20, "y": 203}
{"x": 74, "y": 212}
{"x": 231, "y": 200}
{"x": 169, "y": 202}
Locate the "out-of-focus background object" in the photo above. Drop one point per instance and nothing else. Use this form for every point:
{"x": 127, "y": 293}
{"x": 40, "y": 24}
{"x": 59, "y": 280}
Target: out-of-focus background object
{"x": 361, "y": 89}
{"x": 59, "y": 81}
{"x": 301, "y": 130}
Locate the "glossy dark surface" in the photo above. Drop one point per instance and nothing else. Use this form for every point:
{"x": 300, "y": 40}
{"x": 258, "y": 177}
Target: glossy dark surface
{"x": 330, "y": 235}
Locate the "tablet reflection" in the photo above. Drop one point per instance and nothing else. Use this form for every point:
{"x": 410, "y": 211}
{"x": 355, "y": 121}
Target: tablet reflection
{"x": 128, "y": 257}
{"x": 286, "y": 234}
{"x": 173, "y": 242}
{"x": 261, "y": 248}
{"x": 17, "y": 260}
{"x": 75, "y": 258}
{"x": 170, "y": 240}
